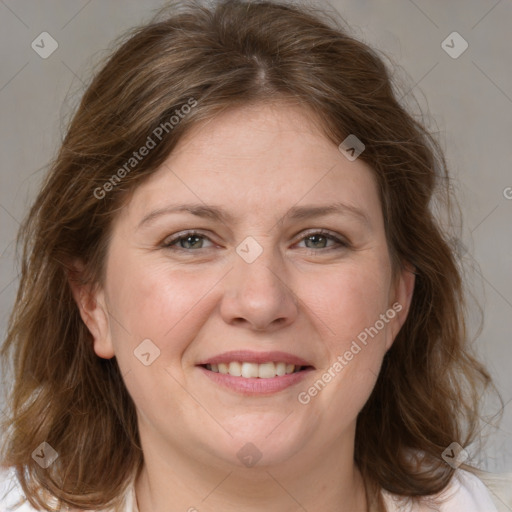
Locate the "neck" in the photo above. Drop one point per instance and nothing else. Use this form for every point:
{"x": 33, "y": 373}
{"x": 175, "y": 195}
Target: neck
{"x": 327, "y": 480}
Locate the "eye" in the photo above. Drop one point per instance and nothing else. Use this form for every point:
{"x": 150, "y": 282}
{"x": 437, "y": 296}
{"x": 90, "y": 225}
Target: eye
{"x": 193, "y": 240}
{"x": 188, "y": 239}
{"x": 322, "y": 237}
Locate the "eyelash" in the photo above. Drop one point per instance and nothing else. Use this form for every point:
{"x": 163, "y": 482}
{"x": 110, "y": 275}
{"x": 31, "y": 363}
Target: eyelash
{"x": 170, "y": 244}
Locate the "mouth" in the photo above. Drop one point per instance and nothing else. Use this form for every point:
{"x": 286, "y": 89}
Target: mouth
{"x": 248, "y": 370}
{"x": 255, "y": 373}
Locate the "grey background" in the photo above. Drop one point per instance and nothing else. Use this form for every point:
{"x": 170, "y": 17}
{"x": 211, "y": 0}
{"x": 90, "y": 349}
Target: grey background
{"x": 468, "y": 101}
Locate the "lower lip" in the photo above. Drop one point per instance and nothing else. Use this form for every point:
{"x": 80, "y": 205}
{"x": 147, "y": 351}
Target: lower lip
{"x": 256, "y": 386}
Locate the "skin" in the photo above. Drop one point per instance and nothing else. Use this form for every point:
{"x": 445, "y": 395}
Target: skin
{"x": 307, "y": 297}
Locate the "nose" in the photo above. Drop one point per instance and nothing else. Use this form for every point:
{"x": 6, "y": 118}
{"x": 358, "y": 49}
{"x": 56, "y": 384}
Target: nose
{"x": 258, "y": 295}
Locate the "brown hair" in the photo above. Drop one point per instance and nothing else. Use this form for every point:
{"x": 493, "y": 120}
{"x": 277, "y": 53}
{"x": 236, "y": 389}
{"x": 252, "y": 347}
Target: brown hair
{"x": 220, "y": 57}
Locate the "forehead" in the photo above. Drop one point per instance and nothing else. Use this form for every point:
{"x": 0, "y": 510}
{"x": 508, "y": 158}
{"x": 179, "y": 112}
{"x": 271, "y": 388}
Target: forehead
{"x": 257, "y": 159}
{"x": 257, "y": 131}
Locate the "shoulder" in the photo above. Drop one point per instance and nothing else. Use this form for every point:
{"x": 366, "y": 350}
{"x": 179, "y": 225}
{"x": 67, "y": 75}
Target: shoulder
{"x": 469, "y": 490}
{"x": 498, "y": 485}
{"x": 12, "y": 498}
{"x": 11, "y": 494}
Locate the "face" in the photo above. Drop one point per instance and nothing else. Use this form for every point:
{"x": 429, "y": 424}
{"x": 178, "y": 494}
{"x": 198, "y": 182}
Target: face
{"x": 269, "y": 281}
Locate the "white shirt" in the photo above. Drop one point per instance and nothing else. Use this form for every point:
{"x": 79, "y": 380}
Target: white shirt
{"x": 465, "y": 493}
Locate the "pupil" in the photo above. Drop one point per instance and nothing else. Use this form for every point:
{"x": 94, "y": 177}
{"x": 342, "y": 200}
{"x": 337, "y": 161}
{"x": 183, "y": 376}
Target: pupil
{"x": 315, "y": 236}
{"x": 191, "y": 237}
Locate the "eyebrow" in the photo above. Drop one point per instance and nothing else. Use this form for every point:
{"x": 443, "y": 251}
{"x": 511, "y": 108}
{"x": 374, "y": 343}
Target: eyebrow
{"x": 294, "y": 213}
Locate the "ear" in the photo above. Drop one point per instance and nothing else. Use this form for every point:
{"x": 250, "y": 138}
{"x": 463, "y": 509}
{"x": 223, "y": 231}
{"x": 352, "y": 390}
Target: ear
{"x": 400, "y": 301}
{"x": 90, "y": 299}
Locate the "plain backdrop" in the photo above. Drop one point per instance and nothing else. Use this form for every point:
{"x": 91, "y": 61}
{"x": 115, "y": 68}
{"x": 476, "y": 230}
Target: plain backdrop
{"x": 466, "y": 96}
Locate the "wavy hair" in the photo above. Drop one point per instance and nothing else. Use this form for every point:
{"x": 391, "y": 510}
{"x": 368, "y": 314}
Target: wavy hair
{"x": 223, "y": 55}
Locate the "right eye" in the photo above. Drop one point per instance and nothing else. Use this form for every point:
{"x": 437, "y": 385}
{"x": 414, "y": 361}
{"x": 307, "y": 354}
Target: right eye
{"x": 190, "y": 238}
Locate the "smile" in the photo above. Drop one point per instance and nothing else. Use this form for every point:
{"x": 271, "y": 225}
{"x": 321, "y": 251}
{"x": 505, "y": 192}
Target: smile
{"x": 255, "y": 379}
{"x": 253, "y": 370}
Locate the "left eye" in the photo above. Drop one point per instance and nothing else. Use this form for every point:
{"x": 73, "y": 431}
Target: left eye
{"x": 191, "y": 240}
{"x": 321, "y": 235}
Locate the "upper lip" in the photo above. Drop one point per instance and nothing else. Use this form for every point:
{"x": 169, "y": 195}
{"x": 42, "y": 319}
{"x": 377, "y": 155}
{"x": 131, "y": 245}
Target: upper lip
{"x": 248, "y": 356}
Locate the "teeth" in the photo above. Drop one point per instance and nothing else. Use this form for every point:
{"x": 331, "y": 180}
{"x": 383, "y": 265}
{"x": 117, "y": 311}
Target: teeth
{"x": 266, "y": 370}
{"x": 253, "y": 370}
{"x": 235, "y": 369}
{"x": 281, "y": 368}
{"x": 249, "y": 370}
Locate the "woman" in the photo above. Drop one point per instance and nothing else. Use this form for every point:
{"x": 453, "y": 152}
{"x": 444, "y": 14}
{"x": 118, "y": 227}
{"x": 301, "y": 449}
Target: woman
{"x": 234, "y": 293}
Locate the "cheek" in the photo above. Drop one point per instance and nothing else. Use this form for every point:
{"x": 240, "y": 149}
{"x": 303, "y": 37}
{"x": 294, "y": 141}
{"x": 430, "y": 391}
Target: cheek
{"x": 358, "y": 312}
{"x": 157, "y": 302}
{"x": 349, "y": 310}
{"x": 350, "y": 298}
{"x": 350, "y": 305}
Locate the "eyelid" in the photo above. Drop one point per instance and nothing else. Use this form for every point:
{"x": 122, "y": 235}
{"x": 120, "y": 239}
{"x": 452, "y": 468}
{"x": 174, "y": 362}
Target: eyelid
{"x": 170, "y": 241}
{"x": 342, "y": 240}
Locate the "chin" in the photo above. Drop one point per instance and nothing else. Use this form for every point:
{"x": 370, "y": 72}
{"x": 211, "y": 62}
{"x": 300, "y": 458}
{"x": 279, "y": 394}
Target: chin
{"x": 254, "y": 447}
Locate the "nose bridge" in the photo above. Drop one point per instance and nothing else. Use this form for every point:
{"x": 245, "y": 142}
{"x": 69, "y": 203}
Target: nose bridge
{"x": 256, "y": 288}
{"x": 259, "y": 265}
